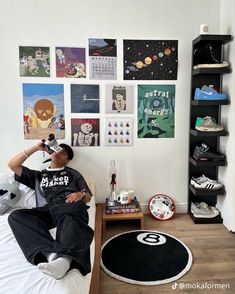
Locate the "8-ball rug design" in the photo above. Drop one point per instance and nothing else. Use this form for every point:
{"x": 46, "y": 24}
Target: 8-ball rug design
{"x": 145, "y": 257}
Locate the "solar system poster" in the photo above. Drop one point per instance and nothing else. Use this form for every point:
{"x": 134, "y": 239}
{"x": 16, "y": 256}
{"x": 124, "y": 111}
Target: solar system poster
{"x": 103, "y": 59}
{"x": 119, "y": 98}
{"x": 156, "y": 111}
{"x": 70, "y": 62}
{"x": 85, "y": 132}
{"x": 85, "y": 98}
{"x": 43, "y": 107}
{"x": 150, "y": 60}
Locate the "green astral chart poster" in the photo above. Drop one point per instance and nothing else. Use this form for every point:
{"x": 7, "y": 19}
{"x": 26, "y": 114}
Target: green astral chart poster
{"x": 156, "y": 111}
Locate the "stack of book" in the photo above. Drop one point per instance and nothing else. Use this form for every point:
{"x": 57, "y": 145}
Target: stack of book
{"x": 132, "y": 207}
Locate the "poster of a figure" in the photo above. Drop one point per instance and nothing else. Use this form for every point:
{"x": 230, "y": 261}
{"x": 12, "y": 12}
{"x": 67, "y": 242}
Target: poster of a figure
{"x": 85, "y": 98}
{"x": 103, "y": 59}
{"x": 34, "y": 61}
{"x": 43, "y": 111}
{"x": 156, "y": 111}
{"x": 85, "y": 132}
{"x": 70, "y": 62}
{"x": 119, "y": 98}
{"x": 150, "y": 59}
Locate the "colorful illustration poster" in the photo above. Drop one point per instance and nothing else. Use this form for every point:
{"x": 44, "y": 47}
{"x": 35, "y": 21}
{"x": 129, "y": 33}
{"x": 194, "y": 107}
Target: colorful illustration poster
{"x": 103, "y": 59}
{"x": 119, "y": 98}
{"x": 70, "y": 62}
{"x": 156, "y": 111}
{"x": 85, "y": 98}
{"x": 43, "y": 111}
{"x": 34, "y": 61}
{"x": 118, "y": 131}
{"x": 150, "y": 60}
{"x": 85, "y": 132}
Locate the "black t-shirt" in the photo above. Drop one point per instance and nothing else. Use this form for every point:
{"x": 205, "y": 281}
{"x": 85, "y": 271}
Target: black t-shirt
{"x": 53, "y": 185}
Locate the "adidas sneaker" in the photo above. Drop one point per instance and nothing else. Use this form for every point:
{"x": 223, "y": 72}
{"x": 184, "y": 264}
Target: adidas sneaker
{"x": 207, "y": 124}
{"x": 204, "y": 183}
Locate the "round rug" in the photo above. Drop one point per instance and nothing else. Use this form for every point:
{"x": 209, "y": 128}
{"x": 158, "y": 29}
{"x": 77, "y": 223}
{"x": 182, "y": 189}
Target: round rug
{"x": 145, "y": 257}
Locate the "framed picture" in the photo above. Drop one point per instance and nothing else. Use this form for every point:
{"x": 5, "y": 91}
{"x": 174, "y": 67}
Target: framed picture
{"x": 103, "y": 59}
{"x": 43, "y": 111}
{"x": 156, "y": 111}
{"x": 85, "y": 98}
{"x": 85, "y": 132}
{"x": 118, "y": 131}
{"x": 34, "y": 61}
{"x": 119, "y": 98}
{"x": 70, "y": 62}
{"x": 150, "y": 59}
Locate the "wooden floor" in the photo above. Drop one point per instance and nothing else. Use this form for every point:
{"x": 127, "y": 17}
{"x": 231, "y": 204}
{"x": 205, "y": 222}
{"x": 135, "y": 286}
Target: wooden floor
{"x": 213, "y": 249}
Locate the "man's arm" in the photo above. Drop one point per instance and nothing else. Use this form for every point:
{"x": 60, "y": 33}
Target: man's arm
{"x": 15, "y": 164}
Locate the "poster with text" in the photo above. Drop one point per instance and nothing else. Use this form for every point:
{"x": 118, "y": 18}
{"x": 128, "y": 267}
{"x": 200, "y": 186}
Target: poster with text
{"x": 70, "y": 62}
{"x": 119, "y": 98}
{"x": 103, "y": 59}
{"x": 43, "y": 111}
{"x": 85, "y": 98}
{"x": 34, "y": 61}
{"x": 150, "y": 60}
{"x": 85, "y": 132}
{"x": 118, "y": 131}
{"x": 156, "y": 111}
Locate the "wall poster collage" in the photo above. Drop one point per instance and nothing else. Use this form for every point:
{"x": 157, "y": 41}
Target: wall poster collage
{"x": 43, "y": 103}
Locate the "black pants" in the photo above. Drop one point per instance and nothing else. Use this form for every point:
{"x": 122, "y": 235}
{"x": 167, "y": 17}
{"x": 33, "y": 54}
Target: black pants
{"x": 73, "y": 236}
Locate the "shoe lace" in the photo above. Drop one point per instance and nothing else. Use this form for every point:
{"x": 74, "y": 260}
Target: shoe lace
{"x": 212, "y": 53}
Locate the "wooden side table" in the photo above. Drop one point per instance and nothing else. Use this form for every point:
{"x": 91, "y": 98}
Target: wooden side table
{"x": 121, "y": 216}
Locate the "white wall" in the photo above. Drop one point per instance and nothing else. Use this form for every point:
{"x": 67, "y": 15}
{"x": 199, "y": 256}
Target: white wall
{"x": 227, "y": 203}
{"x": 151, "y": 165}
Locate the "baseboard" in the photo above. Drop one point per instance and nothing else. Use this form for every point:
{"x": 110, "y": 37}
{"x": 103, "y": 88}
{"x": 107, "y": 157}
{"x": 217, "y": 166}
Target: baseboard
{"x": 180, "y": 208}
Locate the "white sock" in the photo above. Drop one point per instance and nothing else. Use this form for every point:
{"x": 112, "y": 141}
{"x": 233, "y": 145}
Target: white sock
{"x": 56, "y": 268}
{"x": 51, "y": 256}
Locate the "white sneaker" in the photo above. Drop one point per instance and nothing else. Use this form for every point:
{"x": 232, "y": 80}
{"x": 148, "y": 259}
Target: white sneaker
{"x": 205, "y": 183}
{"x": 203, "y": 210}
{"x": 212, "y": 65}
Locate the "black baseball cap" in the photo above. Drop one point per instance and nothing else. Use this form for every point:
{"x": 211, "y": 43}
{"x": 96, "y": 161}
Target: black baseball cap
{"x": 68, "y": 150}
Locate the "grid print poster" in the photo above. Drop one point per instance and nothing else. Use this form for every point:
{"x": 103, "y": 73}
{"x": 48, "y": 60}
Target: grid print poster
{"x": 156, "y": 111}
{"x": 118, "y": 132}
{"x": 85, "y": 132}
{"x": 119, "y": 98}
{"x": 103, "y": 59}
{"x": 150, "y": 59}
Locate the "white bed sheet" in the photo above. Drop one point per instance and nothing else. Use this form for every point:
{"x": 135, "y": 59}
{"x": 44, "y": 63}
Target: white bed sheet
{"x": 17, "y": 276}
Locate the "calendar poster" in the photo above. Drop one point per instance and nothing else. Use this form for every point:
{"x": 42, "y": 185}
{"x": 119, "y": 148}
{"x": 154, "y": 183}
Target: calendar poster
{"x": 103, "y": 59}
{"x": 85, "y": 132}
{"x": 119, "y": 98}
{"x": 118, "y": 132}
{"x": 156, "y": 111}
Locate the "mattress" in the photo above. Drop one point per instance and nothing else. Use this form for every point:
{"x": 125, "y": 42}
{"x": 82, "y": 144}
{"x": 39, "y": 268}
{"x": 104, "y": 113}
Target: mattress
{"x": 17, "y": 276}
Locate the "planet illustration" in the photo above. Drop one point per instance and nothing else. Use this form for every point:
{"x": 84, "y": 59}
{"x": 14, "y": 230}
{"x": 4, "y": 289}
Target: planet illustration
{"x": 154, "y": 57}
{"x": 148, "y": 60}
{"x": 139, "y": 64}
{"x": 167, "y": 51}
{"x": 160, "y": 54}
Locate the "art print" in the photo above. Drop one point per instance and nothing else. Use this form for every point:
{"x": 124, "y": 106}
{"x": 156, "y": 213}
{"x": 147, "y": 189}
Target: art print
{"x": 156, "y": 111}
{"x": 103, "y": 59}
{"x": 43, "y": 111}
{"x": 119, "y": 98}
{"x": 70, "y": 62}
{"x": 85, "y": 132}
{"x": 85, "y": 98}
{"x": 118, "y": 131}
{"x": 150, "y": 59}
{"x": 34, "y": 61}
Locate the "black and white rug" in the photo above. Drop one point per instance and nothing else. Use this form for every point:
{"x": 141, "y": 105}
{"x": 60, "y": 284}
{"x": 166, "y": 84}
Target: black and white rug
{"x": 145, "y": 257}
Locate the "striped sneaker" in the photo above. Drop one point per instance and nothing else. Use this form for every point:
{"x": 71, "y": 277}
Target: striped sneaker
{"x": 205, "y": 183}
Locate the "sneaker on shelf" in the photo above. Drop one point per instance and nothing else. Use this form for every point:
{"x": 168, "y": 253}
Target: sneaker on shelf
{"x": 208, "y": 56}
{"x": 208, "y": 93}
{"x": 203, "y": 210}
{"x": 207, "y": 124}
{"x": 205, "y": 183}
{"x": 203, "y": 153}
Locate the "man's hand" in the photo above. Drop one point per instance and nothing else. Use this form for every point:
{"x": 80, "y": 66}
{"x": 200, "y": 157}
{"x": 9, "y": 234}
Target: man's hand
{"x": 74, "y": 197}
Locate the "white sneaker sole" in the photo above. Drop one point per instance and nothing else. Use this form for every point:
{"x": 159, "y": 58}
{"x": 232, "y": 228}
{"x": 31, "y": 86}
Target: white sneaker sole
{"x": 208, "y": 129}
{"x": 211, "y": 65}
